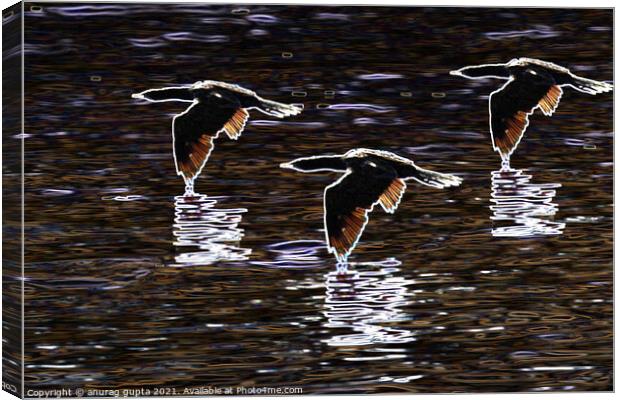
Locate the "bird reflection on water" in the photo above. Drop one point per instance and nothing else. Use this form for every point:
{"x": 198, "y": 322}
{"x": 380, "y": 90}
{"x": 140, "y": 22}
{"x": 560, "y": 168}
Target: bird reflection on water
{"x": 367, "y": 301}
{"x": 213, "y": 231}
{"x": 528, "y": 207}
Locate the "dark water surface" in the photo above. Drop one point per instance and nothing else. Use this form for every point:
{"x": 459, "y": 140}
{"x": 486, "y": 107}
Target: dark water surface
{"x": 502, "y": 284}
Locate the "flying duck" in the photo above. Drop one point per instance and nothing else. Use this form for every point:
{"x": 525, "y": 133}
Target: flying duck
{"x": 215, "y": 107}
{"x": 370, "y": 177}
{"x": 532, "y": 84}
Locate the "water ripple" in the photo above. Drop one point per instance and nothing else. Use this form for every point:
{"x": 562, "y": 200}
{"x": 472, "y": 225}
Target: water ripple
{"x": 194, "y": 37}
{"x": 213, "y": 231}
{"x": 220, "y": 21}
{"x": 378, "y": 77}
{"x": 263, "y": 19}
{"x": 367, "y": 302}
{"x": 379, "y": 121}
{"x": 295, "y": 254}
{"x": 530, "y": 206}
{"x": 90, "y": 274}
{"x": 303, "y": 125}
{"x": 361, "y": 106}
{"x": 540, "y": 32}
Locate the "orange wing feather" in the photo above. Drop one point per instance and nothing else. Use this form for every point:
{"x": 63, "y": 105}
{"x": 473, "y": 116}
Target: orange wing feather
{"x": 391, "y": 197}
{"x": 515, "y": 126}
{"x": 352, "y": 226}
{"x": 550, "y": 100}
{"x": 234, "y": 126}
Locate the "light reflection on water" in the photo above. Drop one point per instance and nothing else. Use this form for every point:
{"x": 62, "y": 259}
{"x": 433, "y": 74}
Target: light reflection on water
{"x": 526, "y": 207}
{"x": 367, "y": 301}
{"x": 215, "y": 232}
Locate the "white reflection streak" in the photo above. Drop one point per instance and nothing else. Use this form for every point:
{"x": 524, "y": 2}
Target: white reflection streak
{"x": 529, "y": 207}
{"x": 367, "y": 302}
{"x": 213, "y": 231}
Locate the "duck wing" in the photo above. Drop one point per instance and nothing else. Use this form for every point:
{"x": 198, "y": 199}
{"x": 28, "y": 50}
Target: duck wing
{"x": 511, "y": 105}
{"x": 179, "y": 93}
{"x": 193, "y": 132}
{"x": 348, "y": 201}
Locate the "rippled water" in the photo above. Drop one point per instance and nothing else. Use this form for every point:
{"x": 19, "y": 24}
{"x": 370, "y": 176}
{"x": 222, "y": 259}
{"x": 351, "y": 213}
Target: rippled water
{"x": 528, "y": 207}
{"x": 502, "y": 284}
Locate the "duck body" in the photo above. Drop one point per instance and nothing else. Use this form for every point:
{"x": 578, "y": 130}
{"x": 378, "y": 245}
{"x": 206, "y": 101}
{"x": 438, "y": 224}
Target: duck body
{"x": 215, "y": 107}
{"x": 531, "y": 84}
{"x": 370, "y": 177}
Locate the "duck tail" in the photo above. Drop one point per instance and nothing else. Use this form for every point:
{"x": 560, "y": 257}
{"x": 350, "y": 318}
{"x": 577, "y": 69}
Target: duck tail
{"x": 435, "y": 179}
{"x": 276, "y": 109}
{"x": 590, "y": 86}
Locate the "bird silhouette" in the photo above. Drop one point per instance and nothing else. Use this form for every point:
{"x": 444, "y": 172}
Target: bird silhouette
{"x": 215, "y": 107}
{"x": 370, "y": 177}
{"x": 532, "y": 84}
